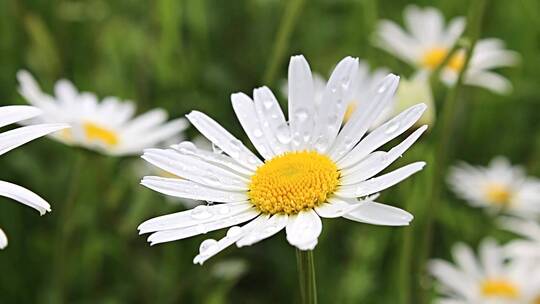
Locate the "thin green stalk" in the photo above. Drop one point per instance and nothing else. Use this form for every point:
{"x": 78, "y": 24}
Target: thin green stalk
{"x": 306, "y": 275}
{"x": 292, "y": 10}
{"x": 446, "y": 128}
{"x": 65, "y": 227}
{"x": 435, "y": 74}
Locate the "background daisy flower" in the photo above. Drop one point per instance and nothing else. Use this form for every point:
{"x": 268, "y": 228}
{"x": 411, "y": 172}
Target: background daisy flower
{"x": 108, "y": 126}
{"x": 499, "y": 187}
{"x": 427, "y": 41}
{"x": 12, "y": 139}
{"x": 529, "y": 246}
{"x": 488, "y": 278}
{"x": 312, "y": 169}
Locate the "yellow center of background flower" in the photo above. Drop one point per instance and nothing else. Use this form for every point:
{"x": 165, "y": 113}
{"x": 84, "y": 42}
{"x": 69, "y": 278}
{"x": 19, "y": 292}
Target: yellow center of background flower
{"x": 435, "y": 56}
{"x": 95, "y": 132}
{"x": 351, "y": 107}
{"x": 500, "y": 288}
{"x": 498, "y": 194}
{"x": 293, "y": 182}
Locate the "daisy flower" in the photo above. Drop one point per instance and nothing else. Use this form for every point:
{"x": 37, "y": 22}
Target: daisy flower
{"x": 108, "y": 126}
{"x": 488, "y": 279}
{"x": 427, "y": 41}
{"x": 497, "y": 187}
{"x": 529, "y": 246}
{"x": 10, "y": 140}
{"x": 312, "y": 168}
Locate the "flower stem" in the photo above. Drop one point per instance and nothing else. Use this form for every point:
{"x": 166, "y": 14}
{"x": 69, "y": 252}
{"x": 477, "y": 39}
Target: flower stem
{"x": 292, "y": 10}
{"x": 306, "y": 276}
{"x": 447, "y": 126}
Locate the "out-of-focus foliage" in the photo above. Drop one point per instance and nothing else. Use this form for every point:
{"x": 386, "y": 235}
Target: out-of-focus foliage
{"x": 184, "y": 55}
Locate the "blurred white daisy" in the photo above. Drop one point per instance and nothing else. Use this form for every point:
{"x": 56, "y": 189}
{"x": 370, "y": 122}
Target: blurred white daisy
{"x": 427, "y": 42}
{"x": 499, "y": 187}
{"x": 529, "y": 246}
{"x": 10, "y": 140}
{"x": 108, "y": 126}
{"x": 312, "y": 169}
{"x": 488, "y": 279}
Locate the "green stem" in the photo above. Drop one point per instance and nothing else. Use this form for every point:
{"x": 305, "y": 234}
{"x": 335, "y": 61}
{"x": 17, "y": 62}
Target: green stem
{"x": 447, "y": 126}
{"x": 66, "y": 222}
{"x": 306, "y": 275}
{"x": 292, "y": 10}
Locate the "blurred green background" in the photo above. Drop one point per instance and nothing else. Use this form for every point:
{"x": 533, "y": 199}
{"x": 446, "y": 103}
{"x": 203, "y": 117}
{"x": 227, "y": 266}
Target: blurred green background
{"x": 184, "y": 55}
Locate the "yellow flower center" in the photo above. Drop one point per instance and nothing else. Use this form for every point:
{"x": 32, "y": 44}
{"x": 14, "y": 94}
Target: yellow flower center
{"x": 537, "y": 301}
{"x": 351, "y": 107}
{"x": 435, "y": 56}
{"x": 500, "y": 288}
{"x": 293, "y": 182}
{"x": 95, "y": 132}
{"x": 498, "y": 194}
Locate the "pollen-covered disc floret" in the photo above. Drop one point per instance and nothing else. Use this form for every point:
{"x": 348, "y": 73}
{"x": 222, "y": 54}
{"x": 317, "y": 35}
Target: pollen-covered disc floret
{"x": 293, "y": 182}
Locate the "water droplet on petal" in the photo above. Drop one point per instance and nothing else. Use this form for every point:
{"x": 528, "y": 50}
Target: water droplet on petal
{"x": 224, "y": 209}
{"x": 200, "y": 212}
{"x": 216, "y": 149}
{"x": 283, "y": 134}
{"x": 208, "y": 246}
{"x": 234, "y": 231}
{"x": 391, "y": 127}
{"x": 258, "y": 132}
{"x": 301, "y": 115}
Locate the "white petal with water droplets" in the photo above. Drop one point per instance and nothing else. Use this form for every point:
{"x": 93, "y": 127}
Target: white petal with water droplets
{"x": 188, "y": 148}
{"x": 361, "y": 121}
{"x": 223, "y": 139}
{"x": 13, "y": 114}
{"x": 182, "y": 233}
{"x": 245, "y": 112}
{"x": 301, "y": 102}
{"x": 264, "y": 230}
{"x": 377, "y": 161}
{"x": 188, "y": 189}
{"x": 24, "y": 196}
{"x": 234, "y": 233}
{"x": 383, "y": 134}
{"x": 194, "y": 169}
{"x": 199, "y": 215}
{"x": 334, "y": 103}
{"x": 12, "y": 139}
{"x": 379, "y": 214}
{"x": 271, "y": 116}
{"x": 334, "y": 208}
{"x": 379, "y": 183}
{"x": 304, "y": 229}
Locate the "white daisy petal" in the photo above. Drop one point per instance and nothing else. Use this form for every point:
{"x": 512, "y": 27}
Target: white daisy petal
{"x": 333, "y": 104}
{"x": 360, "y": 121}
{"x": 383, "y": 134}
{"x": 188, "y": 148}
{"x": 490, "y": 81}
{"x": 301, "y": 102}
{"x": 245, "y": 112}
{"x": 465, "y": 259}
{"x": 24, "y": 196}
{"x": 378, "y": 161}
{"x": 188, "y": 189}
{"x": 13, "y": 114}
{"x": 379, "y": 183}
{"x": 196, "y": 170}
{"x": 271, "y": 116}
{"x": 20, "y": 136}
{"x": 303, "y": 229}
{"x": 452, "y": 278}
{"x": 223, "y": 139}
{"x": 393, "y": 39}
{"x": 182, "y": 233}
{"x": 265, "y": 229}
{"x": 379, "y": 214}
{"x": 335, "y": 208}
{"x": 201, "y": 214}
{"x": 3, "y": 239}
{"x": 210, "y": 247}
{"x": 454, "y": 31}
{"x": 146, "y": 121}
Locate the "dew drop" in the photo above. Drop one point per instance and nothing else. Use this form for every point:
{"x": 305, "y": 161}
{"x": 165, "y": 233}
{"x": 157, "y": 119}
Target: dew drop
{"x": 258, "y": 132}
{"x": 234, "y": 231}
{"x": 208, "y": 246}
{"x": 391, "y": 127}
{"x": 200, "y": 212}
{"x": 381, "y": 89}
{"x": 216, "y": 149}
{"x": 301, "y": 115}
{"x": 283, "y": 134}
{"x": 224, "y": 209}
{"x": 267, "y": 103}
{"x": 186, "y": 147}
